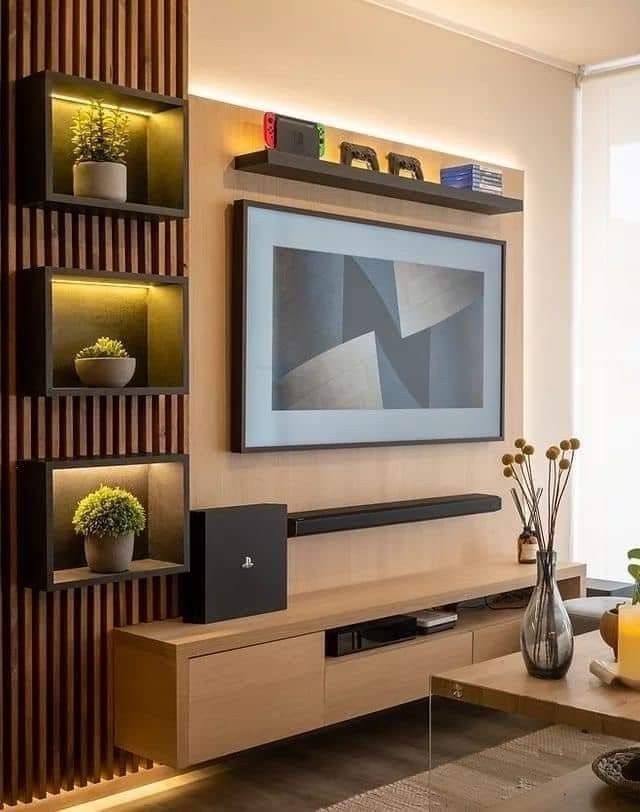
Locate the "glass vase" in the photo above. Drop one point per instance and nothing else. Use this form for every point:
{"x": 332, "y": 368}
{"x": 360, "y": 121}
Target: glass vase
{"x": 546, "y": 637}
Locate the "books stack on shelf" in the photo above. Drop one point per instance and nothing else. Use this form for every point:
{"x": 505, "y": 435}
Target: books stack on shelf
{"x": 474, "y": 177}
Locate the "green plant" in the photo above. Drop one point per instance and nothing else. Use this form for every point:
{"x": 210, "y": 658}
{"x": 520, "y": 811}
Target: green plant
{"x": 104, "y": 348}
{"x": 100, "y": 133}
{"x": 634, "y": 572}
{"x": 109, "y": 511}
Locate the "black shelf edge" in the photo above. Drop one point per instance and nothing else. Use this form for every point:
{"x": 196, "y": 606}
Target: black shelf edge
{"x": 81, "y": 577}
{"x": 327, "y": 173}
{"x": 111, "y": 92}
{"x": 94, "y": 460}
{"x": 94, "y": 205}
{"x": 113, "y": 391}
{"x": 358, "y": 517}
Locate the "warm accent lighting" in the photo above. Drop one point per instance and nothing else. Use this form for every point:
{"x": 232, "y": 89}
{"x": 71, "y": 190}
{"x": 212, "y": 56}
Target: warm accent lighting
{"x": 102, "y": 284}
{"x": 128, "y": 796}
{"x": 367, "y": 127}
{"x": 76, "y": 100}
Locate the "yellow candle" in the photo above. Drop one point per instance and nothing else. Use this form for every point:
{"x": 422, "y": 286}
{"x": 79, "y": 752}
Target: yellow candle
{"x": 629, "y": 642}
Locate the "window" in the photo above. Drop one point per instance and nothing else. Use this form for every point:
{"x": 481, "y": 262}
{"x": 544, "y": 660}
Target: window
{"x": 608, "y": 326}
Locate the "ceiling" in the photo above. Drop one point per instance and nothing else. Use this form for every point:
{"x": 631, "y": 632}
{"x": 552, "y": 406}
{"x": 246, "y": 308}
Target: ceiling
{"x": 566, "y": 32}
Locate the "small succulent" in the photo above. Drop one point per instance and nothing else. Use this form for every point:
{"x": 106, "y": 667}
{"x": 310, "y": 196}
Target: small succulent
{"x": 109, "y": 511}
{"x": 100, "y": 133}
{"x": 634, "y": 572}
{"x": 104, "y": 348}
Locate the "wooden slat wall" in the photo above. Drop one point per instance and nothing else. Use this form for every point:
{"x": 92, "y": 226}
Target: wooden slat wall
{"x": 57, "y": 725}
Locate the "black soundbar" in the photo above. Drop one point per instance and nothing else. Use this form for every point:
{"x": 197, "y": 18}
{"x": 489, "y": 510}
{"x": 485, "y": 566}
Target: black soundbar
{"x": 357, "y": 517}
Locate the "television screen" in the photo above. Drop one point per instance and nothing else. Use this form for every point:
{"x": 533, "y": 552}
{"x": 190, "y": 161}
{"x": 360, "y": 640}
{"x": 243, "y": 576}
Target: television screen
{"x": 352, "y": 332}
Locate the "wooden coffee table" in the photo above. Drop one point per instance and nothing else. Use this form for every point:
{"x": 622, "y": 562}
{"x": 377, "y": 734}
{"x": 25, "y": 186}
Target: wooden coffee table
{"x": 579, "y": 700}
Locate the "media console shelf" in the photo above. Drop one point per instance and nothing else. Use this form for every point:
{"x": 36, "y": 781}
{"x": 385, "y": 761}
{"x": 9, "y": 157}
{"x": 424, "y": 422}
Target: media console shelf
{"x": 188, "y": 693}
{"x": 357, "y": 517}
{"x": 339, "y": 176}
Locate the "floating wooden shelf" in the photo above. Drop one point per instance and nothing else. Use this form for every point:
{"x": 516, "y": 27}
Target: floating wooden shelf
{"x": 157, "y": 167}
{"x": 331, "y": 520}
{"x": 49, "y": 490}
{"x": 70, "y": 309}
{"x": 326, "y": 173}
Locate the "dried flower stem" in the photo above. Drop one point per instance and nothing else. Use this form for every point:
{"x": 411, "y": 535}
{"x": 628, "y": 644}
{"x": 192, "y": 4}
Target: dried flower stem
{"x": 520, "y": 468}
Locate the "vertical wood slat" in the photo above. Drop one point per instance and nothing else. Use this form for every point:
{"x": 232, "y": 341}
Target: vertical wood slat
{"x": 56, "y": 730}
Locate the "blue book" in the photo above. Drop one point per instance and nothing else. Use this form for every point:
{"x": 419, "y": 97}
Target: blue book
{"x": 469, "y": 168}
{"x": 489, "y": 176}
{"x": 473, "y": 186}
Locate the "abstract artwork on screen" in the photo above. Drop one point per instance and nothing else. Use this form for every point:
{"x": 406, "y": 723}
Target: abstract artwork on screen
{"x": 358, "y": 333}
{"x": 351, "y": 332}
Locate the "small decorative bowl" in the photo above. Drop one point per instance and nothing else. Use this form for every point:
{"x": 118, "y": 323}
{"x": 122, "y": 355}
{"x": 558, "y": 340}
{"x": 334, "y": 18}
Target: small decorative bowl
{"x": 620, "y": 769}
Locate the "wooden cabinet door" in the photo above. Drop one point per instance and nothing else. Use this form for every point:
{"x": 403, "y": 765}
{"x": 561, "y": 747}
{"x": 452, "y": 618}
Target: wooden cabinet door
{"x": 367, "y": 682}
{"x": 239, "y": 699}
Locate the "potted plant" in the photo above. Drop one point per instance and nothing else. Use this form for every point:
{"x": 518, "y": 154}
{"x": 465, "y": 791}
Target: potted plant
{"x": 609, "y": 621}
{"x": 109, "y": 518}
{"x": 100, "y": 138}
{"x": 105, "y": 363}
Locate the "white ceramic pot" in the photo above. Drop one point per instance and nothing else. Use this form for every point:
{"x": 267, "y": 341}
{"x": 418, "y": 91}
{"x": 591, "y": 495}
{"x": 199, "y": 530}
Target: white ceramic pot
{"x": 102, "y": 179}
{"x": 109, "y": 553}
{"x": 109, "y": 372}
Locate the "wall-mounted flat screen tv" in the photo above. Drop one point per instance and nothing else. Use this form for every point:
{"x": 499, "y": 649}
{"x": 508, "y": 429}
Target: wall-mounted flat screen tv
{"x": 353, "y": 332}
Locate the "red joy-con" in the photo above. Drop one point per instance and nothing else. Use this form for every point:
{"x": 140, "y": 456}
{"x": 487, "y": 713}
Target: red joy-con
{"x": 269, "y": 130}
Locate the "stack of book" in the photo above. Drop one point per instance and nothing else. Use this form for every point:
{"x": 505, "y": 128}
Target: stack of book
{"x": 474, "y": 177}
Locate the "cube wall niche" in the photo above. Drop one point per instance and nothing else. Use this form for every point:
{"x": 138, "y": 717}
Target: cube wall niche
{"x": 49, "y": 490}
{"x": 71, "y": 309}
{"x": 157, "y": 171}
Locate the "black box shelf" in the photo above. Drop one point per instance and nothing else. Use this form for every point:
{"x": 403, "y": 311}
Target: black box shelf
{"x": 157, "y": 166}
{"x": 70, "y": 309}
{"x": 278, "y": 164}
{"x": 49, "y": 490}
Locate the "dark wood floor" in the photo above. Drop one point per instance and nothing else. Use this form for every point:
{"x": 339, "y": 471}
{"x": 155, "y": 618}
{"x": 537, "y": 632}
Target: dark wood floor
{"x": 319, "y": 769}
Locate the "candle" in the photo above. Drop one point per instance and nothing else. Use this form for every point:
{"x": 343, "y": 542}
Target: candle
{"x": 629, "y": 642}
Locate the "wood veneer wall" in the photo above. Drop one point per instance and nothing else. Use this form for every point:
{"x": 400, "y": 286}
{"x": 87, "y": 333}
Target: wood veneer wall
{"x": 350, "y": 476}
{"x": 55, "y": 694}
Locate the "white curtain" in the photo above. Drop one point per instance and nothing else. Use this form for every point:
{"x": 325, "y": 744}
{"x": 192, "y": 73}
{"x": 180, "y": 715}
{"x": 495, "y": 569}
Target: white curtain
{"x": 607, "y": 349}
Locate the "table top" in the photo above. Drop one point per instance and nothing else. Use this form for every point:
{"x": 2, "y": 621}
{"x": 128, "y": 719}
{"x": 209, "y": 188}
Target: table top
{"x": 580, "y": 699}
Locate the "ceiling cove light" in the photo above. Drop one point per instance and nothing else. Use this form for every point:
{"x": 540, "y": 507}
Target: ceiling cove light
{"x": 352, "y": 125}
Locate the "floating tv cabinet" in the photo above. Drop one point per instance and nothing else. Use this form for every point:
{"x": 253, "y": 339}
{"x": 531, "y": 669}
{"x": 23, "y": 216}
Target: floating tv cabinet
{"x": 185, "y": 694}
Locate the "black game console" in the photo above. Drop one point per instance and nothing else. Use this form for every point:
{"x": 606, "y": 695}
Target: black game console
{"x": 372, "y": 634}
{"x": 238, "y": 563}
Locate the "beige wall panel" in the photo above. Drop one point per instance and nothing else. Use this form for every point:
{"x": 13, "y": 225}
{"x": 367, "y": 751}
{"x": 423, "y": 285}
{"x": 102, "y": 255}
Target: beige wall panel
{"x": 326, "y": 478}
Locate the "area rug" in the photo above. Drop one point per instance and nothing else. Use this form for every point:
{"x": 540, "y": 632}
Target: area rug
{"x": 489, "y": 777}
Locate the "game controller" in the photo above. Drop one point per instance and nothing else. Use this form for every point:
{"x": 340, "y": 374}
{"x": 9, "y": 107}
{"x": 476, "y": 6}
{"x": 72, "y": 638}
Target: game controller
{"x": 407, "y": 163}
{"x": 358, "y": 152}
